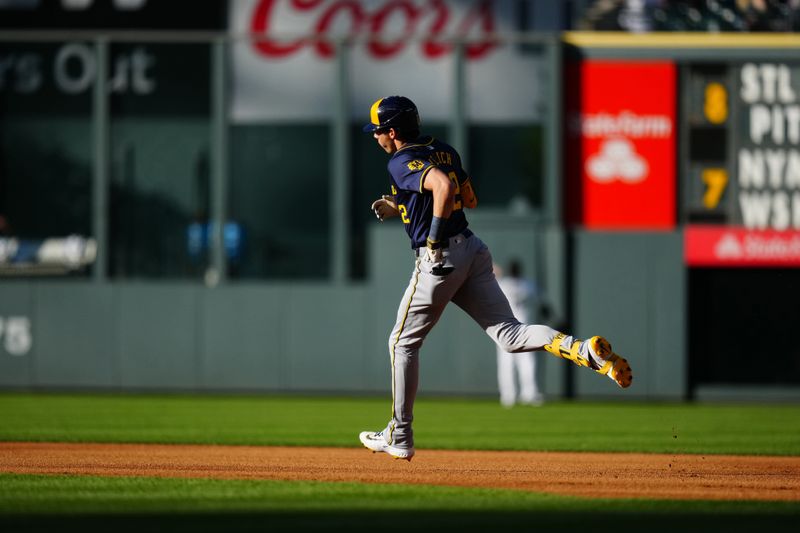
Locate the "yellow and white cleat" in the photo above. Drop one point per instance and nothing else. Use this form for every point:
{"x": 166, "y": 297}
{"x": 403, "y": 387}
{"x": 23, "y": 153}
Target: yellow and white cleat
{"x": 601, "y": 358}
{"x": 614, "y": 366}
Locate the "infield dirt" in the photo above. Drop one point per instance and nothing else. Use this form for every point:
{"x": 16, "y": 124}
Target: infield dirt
{"x": 602, "y": 475}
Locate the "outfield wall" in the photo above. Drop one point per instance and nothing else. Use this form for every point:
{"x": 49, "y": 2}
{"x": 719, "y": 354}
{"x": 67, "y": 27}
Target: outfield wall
{"x": 318, "y": 337}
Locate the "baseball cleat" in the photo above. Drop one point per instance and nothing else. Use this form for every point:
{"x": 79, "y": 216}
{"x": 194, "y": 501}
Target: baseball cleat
{"x": 613, "y": 366}
{"x": 570, "y": 353}
{"x": 374, "y": 441}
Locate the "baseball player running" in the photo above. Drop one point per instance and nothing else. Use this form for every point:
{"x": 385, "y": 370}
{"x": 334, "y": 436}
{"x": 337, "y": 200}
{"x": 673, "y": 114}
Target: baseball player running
{"x": 429, "y": 191}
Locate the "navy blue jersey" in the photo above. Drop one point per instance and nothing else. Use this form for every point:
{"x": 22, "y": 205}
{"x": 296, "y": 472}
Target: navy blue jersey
{"x": 408, "y": 168}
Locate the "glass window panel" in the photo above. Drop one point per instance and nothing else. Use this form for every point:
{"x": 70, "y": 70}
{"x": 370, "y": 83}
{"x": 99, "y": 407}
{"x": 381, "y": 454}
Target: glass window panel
{"x": 45, "y": 144}
{"x": 506, "y": 109}
{"x": 281, "y": 112}
{"x": 280, "y": 194}
{"x": 160, "y": 135}
{"x": 506, "y": 165}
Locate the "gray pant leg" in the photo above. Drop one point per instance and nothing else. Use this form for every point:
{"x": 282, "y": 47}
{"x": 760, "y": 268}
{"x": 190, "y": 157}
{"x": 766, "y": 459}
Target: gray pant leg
{"x": 473, "y": 287}
{"x": 481, "y": 297}
{"x": 420, "y": 309}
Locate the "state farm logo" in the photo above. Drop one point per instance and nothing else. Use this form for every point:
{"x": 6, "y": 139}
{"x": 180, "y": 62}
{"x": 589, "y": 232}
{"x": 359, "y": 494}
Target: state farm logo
{"x": 617, "y": 159}
{"x": 729, "y": 247}
{"x": 758, "y": 246}
{"x": 387, "y": 26}
{"x": 626, "y": 124}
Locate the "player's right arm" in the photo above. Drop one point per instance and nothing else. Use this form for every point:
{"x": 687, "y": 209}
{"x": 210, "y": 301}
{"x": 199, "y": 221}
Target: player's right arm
{"x": 443, "y": 191}
{"x": 385, "y": 207}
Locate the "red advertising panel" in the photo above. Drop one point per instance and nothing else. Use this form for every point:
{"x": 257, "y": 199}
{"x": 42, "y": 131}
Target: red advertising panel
{"x": 715, "y": 246}
{"x": 621, "y": 146}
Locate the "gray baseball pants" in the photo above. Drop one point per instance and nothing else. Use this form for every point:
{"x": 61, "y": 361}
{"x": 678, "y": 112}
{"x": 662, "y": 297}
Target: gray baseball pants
{"x": 471, "y": 286}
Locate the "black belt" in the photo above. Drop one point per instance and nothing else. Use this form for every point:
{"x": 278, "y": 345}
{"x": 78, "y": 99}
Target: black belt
{"x": 466, "y": 234}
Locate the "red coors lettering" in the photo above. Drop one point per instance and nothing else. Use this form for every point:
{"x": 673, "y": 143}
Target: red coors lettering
{"x": 431, "y": 18}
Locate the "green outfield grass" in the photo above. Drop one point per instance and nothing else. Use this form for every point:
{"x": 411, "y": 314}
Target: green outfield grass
{"x": 58, "y": 503}
{"x": 440, "y": 423}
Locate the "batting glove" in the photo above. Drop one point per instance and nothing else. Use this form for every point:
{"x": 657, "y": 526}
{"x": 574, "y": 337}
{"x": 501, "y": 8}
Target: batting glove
{"x": 434, "y": 253}
{"x": 385, "y": 208}
{"x": 435, "y": 256}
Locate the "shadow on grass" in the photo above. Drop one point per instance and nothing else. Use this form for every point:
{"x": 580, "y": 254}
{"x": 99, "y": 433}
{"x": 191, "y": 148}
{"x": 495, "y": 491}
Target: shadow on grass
{"x": 403, "y": 521}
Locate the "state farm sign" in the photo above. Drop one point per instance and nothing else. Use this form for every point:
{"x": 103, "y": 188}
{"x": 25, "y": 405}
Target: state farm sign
{"x": 284, "y": 63}
{"x": 621, "y": 145}
{"x": 715, "y": 246}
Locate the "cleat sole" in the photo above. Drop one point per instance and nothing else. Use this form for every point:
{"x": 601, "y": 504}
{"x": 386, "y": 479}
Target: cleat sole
{"x": 616, "y": 367}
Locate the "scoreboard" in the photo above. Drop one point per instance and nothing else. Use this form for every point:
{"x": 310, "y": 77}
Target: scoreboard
{"x": 741, "y": 163}
{"x": 710, "y": 147}
{"x": 707, "y": 117}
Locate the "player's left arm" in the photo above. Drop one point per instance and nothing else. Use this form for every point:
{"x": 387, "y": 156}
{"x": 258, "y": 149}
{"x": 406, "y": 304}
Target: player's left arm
{"x": 466, "y": 191}
{"x": 468, "y": 197}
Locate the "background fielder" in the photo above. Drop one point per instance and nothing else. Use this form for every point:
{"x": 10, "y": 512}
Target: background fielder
{"x": 430, "y": 190}
{"x": 524, "y": 297}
